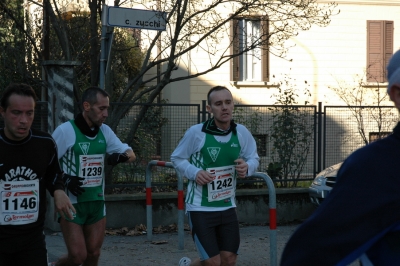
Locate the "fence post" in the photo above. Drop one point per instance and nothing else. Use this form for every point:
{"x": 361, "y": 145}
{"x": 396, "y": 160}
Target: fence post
{"x": 272, "y": 217}
{"x": 60, "y": 106}
{"x": 149, "y": 205}
{"x": 320, "y": 130}
{"x": 203, "y": 111}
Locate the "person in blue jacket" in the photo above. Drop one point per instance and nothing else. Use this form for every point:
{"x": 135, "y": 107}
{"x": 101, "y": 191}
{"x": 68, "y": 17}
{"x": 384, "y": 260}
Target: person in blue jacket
{"x": 360, "y": 219}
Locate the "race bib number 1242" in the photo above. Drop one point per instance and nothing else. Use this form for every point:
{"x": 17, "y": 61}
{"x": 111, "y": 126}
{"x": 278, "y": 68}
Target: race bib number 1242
{"x": 223, "y": 185}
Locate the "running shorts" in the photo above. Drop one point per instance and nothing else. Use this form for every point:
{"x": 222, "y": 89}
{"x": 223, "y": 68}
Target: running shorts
{"x": 89, "y": 212}
{"x": 215, "y": 231}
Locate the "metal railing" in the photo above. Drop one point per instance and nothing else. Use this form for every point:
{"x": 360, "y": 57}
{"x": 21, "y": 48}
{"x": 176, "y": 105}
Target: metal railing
{"x": 149, "y": 208}
{"x": 272, "y": 217}
{"x": 149, "y": 205}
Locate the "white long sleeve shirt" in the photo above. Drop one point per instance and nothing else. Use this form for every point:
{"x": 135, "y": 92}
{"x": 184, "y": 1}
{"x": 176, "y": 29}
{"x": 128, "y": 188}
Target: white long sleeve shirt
{"x": 194, "y": 140}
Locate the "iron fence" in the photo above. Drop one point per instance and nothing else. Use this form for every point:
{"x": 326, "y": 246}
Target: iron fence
{"x": 156, "y": 138}
{"x": 263, "y": 121}
{"x": 347, "y": 128}
{"x": 303, "y": 140}
{"x": 285, "y": 137}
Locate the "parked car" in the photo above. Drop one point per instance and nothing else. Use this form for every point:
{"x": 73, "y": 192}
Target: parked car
{"x": 323, "y": 184}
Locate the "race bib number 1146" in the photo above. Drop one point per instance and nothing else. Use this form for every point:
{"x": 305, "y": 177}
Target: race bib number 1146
{"x": 19, "y": 202}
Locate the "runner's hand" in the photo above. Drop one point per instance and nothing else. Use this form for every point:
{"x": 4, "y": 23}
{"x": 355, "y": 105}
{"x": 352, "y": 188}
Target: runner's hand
{"x": 63, "y": 205}
{"x": 204, "y": 177}
{"x": 117, "y": 158}
{"x": 73, "y": 184}
{"x": 241, "y": 167}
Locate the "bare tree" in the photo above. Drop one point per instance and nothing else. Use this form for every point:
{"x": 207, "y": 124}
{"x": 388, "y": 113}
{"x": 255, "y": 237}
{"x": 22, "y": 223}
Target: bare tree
{"x": 17, "y": 53}
{"x": 192, "y": 25}
{"x": 199, "y": 25}
{"x": 366, "y": 99}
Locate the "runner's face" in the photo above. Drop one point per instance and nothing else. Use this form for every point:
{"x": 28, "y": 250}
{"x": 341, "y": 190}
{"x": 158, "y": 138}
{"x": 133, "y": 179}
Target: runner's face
{"x": 97, "y": 113}
{"x": 18, "y": 116}
{"x": 221, "y": 107}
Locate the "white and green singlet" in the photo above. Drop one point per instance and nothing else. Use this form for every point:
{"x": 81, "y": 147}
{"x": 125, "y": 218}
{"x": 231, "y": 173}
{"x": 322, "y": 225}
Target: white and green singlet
{"x": 218, "y": 159}
{"x": 216, "y": 154}
{"x": 83, "y": 156}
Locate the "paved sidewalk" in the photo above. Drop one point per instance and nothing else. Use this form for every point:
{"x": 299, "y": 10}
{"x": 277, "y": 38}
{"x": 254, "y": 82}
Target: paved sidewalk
{"x": 137, "y": 250}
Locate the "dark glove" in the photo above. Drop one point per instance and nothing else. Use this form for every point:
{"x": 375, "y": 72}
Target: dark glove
{"x": 73, "y": 184}
{"x": 117, "y": 158}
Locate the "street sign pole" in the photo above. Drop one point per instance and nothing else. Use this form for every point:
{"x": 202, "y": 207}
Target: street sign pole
{"x": 103, "y": 47}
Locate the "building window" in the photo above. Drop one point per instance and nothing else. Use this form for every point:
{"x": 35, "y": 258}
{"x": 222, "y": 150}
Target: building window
{"x": 374, "y": 136}
{"x": 250, "y": 64}
{"x": 379, "y": 49}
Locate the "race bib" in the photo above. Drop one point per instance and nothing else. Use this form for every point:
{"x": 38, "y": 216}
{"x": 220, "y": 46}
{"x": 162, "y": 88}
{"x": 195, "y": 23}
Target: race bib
{"x": 19, "y": 202}
{"x": 223, "y": 185}
{"x": 91, "y": 168}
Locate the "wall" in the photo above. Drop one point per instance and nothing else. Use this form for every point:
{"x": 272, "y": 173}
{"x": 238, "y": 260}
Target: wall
{"x": 252, "y": 206}
{"x": 129, "y": 210}
{"x": 322, "y": 56}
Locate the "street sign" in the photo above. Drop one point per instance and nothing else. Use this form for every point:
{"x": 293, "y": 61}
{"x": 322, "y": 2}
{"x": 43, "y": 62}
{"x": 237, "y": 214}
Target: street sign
{"x": 135, "y": 18}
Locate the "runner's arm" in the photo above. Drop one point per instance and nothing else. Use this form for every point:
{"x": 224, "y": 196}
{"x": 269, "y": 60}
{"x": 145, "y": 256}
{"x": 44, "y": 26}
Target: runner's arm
{"x": 248, "y": 149}
{"x": 188, "y": 145}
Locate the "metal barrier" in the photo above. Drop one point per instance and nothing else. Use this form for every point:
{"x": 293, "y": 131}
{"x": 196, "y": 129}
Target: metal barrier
{"x": 149, "y": 206}
{"x": 272, "y": 217}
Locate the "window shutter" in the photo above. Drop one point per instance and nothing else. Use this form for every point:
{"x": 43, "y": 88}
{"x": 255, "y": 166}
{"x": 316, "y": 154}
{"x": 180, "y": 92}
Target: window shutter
{"x": 234, "y": 33}
{"x": 379, "y": 49}
{"x": 265, "y": 49}
{"x": 388, "y": 45}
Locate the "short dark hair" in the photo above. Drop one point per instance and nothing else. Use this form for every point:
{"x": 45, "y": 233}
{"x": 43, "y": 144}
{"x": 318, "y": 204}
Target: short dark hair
{"x": 216, "y": 88}
{"x": 90, "y": 94}
{"x": 19, "y": 89}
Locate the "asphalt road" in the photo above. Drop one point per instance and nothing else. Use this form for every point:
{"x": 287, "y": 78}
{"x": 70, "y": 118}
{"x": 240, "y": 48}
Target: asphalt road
{"x": 163, "y": 249}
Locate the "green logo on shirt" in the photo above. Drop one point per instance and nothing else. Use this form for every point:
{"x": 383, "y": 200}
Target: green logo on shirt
{"x": 84, "y": 147}
{"x": 213, "y": 152}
